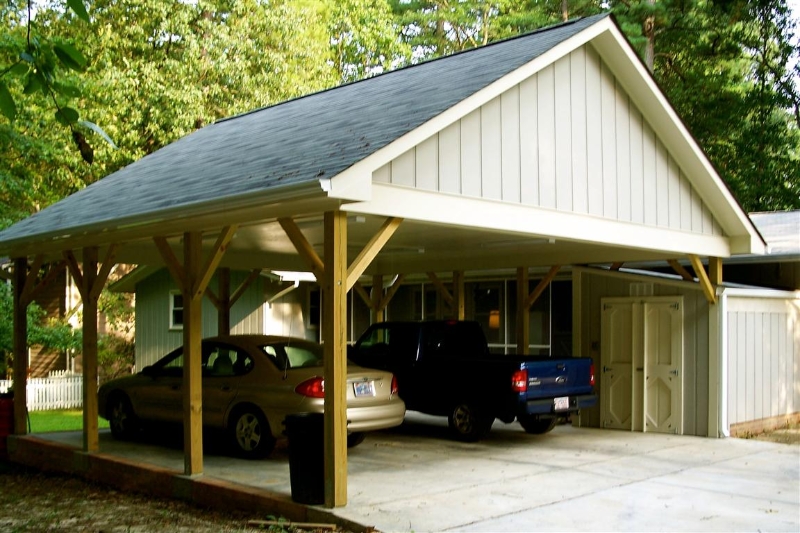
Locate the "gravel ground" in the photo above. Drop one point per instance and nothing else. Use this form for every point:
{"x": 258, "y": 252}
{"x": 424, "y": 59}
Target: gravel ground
{"x": 31, "y": 501}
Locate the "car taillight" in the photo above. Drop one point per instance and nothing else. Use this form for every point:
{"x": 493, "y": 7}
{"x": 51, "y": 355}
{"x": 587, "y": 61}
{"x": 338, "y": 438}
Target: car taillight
{"x": 591, "y": 374}
{"x": 313, "y": 388}
{"x": 394, "y": 385}
{"x": 519, "y": 381}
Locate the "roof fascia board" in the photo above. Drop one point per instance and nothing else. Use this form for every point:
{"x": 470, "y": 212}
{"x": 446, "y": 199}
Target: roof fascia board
{"x": 361, "y": 172}
{"x": 478, "y": 213}
{"x": 670, "y": 129}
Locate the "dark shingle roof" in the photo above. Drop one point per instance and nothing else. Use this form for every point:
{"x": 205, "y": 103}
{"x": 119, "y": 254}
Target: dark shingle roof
{"x": 291, "y": 143}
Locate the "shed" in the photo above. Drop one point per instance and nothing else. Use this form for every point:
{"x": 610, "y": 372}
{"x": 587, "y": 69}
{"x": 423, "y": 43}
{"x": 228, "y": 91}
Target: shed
{"x": 548, "y": 149}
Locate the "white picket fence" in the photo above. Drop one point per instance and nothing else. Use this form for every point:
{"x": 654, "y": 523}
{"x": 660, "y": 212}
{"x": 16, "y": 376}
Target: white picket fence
{"x": 60, "y": 390}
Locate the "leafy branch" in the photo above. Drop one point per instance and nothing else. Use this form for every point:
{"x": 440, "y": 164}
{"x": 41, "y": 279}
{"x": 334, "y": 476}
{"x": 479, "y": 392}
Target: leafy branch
{"x": 39, "y": 68}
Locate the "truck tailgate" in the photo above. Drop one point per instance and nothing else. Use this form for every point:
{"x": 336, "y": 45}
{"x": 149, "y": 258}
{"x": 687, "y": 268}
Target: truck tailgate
{"x": 550, "y": 378}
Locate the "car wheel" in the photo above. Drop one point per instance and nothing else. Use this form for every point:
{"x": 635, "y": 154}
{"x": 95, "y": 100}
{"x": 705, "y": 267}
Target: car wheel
{"x": 250, "y": 434}
{"x": 121, "y": 419}
{"x": 469, "y": 424}
{"x": 536, "y": 425}
{"x": 354, "y": 439}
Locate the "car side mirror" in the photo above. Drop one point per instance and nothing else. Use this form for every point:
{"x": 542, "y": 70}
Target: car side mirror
{"x": 149, "y": 371}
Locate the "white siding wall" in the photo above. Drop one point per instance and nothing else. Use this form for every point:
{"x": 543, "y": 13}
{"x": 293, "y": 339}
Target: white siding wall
{"x": 763, "y": 338}
{"x": 567, "y": 138}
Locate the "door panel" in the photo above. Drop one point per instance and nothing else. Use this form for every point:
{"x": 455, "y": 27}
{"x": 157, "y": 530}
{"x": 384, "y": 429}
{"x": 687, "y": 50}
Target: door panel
{"x": 663, "y": 340}
{"x": 616, "y": 356}
{"x": 642, "y": 357}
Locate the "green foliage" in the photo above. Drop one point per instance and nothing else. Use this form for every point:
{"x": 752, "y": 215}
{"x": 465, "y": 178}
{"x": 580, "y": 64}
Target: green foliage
{"x": 364, "y": 39}
{"x": 50, "y": 334}
{"x": 116, "y": 357}
{"x": 727, "y": 69}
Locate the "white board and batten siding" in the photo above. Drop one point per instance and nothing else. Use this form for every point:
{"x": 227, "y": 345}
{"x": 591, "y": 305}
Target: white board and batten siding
{"x": 568, "y": 138}
{"x": 763, "y": 363}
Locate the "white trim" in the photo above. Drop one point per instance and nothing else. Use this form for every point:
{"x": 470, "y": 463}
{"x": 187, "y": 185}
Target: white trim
{"x": 724, "y": 428}
{"x": 172, "y": 325}
{"x": 479, "y": 213}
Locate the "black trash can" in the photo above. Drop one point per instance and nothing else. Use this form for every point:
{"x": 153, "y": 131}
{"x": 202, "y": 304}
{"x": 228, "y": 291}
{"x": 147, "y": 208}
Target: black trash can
{"x": 306, "y": 433}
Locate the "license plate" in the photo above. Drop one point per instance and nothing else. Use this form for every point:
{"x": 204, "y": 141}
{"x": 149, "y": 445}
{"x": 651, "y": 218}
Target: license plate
{"x": 364, "y": 388}
{"x": 561, "y": 404}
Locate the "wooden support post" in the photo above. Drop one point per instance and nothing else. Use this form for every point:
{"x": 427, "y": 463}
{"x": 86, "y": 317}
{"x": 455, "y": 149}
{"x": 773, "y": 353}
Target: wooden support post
{"x": 193, "y": 277}
{"x": 334, "y": 337}
{"x": 677, "y": 267}
{"x": 90, "y": 282}
{"x": 192, "y": 378}
{"x": 376, "y": 296}
{"x": 20, "y": 348}
{"x": 705, "y": 283}
{"x": 91, "y": 440}
{"x": 458, "y": 294}
{"x": 715, "y": 270}
{"x": 443, "y": 291}
{"x": 224, "y": 298}
{"x": 523, "y": 311}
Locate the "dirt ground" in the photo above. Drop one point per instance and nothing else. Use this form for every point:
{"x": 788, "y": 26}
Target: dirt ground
{"x": 31, "y": 501}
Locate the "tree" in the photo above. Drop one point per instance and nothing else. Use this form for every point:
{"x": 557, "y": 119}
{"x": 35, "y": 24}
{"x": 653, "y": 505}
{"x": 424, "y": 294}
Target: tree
{"x": 727, "y": 69}
{"x": 438, "y": 27}
{"x": 364, "y": 38}
{"x": 51, "y": 334}
{"x": 41, "y": 62}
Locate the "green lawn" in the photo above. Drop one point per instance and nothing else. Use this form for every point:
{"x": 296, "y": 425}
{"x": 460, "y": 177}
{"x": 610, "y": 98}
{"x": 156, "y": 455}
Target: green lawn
{"x": 61, "y": 420}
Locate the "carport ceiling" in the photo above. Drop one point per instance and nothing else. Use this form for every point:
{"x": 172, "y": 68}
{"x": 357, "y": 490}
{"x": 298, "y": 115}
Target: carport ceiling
{"x": 415, "y": 247}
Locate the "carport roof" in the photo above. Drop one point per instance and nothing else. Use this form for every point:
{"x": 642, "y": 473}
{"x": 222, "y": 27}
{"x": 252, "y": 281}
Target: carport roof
{"x": 294, "y": 146}
{"x": 326, "y": 151}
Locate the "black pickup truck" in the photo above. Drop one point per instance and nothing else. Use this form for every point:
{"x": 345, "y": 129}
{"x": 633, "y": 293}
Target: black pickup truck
{"x": 445, "y": 368}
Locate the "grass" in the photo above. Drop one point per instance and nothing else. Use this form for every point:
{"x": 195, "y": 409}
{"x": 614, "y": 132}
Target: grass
{"x": 61, "y": 420}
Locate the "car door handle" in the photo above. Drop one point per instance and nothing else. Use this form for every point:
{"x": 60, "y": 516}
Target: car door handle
{"x": 225, "y": 388}
{"x": 175, "y": 387}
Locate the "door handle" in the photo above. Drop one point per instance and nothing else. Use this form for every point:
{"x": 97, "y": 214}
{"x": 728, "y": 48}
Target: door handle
{"x": 674, "y": 371}
{"x": 225, "y": 388}
{"x": 606, "y": 368}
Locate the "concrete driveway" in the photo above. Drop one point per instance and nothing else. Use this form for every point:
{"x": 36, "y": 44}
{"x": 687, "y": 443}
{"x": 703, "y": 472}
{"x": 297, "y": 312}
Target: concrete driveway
{"x": 414, "y": 478}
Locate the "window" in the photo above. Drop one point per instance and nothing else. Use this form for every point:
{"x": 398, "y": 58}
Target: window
{"x": 175, "y": 310}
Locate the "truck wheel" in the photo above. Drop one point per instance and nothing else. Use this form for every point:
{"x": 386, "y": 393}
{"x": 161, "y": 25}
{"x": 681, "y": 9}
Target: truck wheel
{"x": 469, "y": 424}
{"x": 536, "y": 425}
{"x": 250, "y": 434}
{"x": 121, "y": 419}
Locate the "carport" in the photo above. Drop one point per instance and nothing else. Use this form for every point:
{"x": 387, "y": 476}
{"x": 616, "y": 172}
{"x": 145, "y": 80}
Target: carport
{"x": 551, "y": 149}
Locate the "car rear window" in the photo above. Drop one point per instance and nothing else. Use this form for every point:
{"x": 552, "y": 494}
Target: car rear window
{"x": 288, "y": 355}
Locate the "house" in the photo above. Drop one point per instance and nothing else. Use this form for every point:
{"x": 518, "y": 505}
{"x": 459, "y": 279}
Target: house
{"x": 490, "y": 298}
{"x": 550, "y": 150}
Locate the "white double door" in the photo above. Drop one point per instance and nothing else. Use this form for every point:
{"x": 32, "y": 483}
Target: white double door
{"x": 642, "y": 363}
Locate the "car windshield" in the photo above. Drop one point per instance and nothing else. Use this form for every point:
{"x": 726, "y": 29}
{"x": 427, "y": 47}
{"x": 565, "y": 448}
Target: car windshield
{"x": 293, "y": 355}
